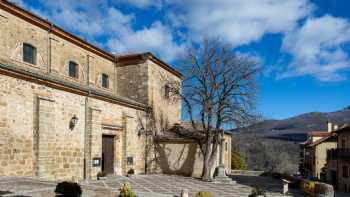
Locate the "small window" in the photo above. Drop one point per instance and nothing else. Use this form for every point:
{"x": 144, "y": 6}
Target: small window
{"x": 166, "y": 91}
{"x": 105, "y": 80}
{"x": 73, "y": 69}
{"x": 29, "y": 53}
{"x": 226, "y": 146}
{"x": 343, "y": 143}
{"x": 345, "y": 172}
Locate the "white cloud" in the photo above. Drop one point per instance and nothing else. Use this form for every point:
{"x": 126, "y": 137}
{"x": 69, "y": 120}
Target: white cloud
{"x": 239, "y": 22}
{"x": 94, "y": 20}
{"x": 157, "y": 38}
{"x": 317, "y": 48}
{"x": 142, "y": 4}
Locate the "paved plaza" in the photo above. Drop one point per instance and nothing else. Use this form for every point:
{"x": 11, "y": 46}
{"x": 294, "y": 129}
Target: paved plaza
{"x": 144, "y": 186}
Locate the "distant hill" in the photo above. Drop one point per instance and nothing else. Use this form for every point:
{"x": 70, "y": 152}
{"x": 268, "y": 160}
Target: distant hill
{"x": 273, "y": 145}
{"x": 296, "y": 128}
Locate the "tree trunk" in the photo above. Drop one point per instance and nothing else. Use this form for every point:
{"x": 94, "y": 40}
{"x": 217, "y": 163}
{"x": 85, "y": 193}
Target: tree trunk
{"x": 208, "y": 163}
{"x": 206, "y": 169}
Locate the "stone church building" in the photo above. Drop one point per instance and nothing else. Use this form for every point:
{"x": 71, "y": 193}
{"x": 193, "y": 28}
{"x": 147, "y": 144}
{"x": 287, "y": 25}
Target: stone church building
{"x": 69, "y": 110}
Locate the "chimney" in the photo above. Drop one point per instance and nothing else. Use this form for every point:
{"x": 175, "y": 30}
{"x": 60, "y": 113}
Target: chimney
{"x": 330, "y": 126}
{"x": 335, "y": 127}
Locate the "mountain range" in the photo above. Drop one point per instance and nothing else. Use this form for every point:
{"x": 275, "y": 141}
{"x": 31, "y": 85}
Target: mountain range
{"x": 297, "y": 127}
{"x": 273, "y": 145}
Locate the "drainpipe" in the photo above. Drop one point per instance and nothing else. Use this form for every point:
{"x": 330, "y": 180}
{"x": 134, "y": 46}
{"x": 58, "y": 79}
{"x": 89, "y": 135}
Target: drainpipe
{"x": 49, "y": 49}
{"x": 86, "y": 127}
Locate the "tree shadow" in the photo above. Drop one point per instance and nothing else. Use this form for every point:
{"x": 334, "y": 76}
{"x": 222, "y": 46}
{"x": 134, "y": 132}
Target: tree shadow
{"x": 5, "y": 192}
{"x": 175, "y": 161}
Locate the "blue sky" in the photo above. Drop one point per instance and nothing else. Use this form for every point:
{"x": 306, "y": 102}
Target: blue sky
{"x": 303, "y": 46}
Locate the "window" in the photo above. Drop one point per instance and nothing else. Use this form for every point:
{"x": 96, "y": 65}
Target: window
{"x": 73, "y": 69}
{"x": 29, "y": 53}
{"x": 166, "y": 91}
{"x": 343, "y": 143}
{"x": 345, "y": 172}
{"x": 226, "y": 146}
{"x": 105, "y": 81}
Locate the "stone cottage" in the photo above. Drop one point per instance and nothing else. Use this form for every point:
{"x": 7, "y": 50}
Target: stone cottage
{"x": 69, "y": 109}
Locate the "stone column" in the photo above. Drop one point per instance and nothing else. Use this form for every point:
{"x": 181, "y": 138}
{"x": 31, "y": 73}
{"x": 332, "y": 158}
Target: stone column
{"x": 45, "y": 138}
{"x": 221, "y": 176}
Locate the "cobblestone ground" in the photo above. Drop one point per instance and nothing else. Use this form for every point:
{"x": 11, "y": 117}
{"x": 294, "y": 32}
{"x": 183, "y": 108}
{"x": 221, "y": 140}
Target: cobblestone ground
{"x": 145, "y": 186}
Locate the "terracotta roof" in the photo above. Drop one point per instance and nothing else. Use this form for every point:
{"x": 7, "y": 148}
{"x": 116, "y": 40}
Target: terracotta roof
{"x": 319, "y": 133}
{"x": 183, "y": 131}
{"x": 319, "y": 141}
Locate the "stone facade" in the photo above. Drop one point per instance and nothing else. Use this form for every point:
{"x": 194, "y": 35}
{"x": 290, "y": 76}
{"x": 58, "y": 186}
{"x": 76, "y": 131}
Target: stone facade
{"x": 40, "y": 100}
{"x": 52, "y": 125}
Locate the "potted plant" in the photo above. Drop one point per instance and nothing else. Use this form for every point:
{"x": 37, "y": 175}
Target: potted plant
{"x": 131, "y": 172}
{"x": 101, "y": 176}
{"x": 126, "y": 191}
{"x": 203, "y": 194}
{"x": 257, "y": 192}
{"x": 68, "y": 189}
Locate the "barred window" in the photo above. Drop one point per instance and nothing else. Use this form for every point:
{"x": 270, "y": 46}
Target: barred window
{"x": 73, "y": 69}
{"x": 105, "y": 80}
{"x": 166, "y": 91}
{"x": 29, "y": 53}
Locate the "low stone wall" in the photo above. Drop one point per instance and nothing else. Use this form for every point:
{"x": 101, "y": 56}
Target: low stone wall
{"x": 314, "y": 188}
{"x": 246, "y": 172}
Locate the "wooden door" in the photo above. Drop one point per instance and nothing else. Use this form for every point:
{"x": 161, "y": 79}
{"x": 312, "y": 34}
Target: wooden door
{"x": 108, "y": 154}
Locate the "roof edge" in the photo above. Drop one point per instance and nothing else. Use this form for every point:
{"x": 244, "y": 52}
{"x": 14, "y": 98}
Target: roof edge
{"x": 60, "y": 32}
{"x": 135, "y": 58}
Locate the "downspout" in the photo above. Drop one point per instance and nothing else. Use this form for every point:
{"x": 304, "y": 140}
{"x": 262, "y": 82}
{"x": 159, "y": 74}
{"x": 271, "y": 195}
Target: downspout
{"x": 49, "y": 49}
{"x": 86, "y": 127}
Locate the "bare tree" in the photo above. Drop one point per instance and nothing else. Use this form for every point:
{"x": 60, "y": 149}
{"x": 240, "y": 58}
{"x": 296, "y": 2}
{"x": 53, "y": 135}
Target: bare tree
{"x": 218, "y": 92}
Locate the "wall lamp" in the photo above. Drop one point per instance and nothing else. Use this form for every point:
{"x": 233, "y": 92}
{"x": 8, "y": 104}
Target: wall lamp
{"x": 73, "y": 122}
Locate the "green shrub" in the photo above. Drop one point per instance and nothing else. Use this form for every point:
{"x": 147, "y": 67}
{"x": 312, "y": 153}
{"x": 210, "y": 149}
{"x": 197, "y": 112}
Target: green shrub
{"x": 131, "y": 171}
{"x": 237, "y": 163}
{"x": 203, "y": 194}
{"x": 101, "y": 174}
{"x": 257, "y": 191}
{"x": 68, "y": 189}
{"x": 126, "y": 191}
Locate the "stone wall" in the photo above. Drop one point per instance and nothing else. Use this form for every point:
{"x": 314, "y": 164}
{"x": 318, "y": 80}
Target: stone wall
{"x": 53, "y": 53}
{"x": 167, "y": 111}
{"x": 36, "y": 135}
{"x": 132, "y": 82}
{"x": 183, "y": 157}
{"x": 321, "y": 156}
{"x": 36, "y": 138}
{"x": 343, "y": 181}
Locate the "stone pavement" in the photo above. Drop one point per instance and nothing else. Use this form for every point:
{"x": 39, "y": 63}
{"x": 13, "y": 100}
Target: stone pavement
{"x": 144, "y": 185}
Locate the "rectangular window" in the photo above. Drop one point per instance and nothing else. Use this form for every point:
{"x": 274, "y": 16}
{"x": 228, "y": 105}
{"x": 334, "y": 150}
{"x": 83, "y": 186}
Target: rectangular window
{"x": 105, "y": 81}
{"x": 166, "y": 91}
{"x": 343, "y": 143}
{"x": 29, "y": 53}
{"x": 345, "y": 172}
{"x": 73, "y": 69}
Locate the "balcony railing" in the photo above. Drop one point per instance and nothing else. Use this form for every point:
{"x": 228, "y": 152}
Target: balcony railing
{"x": 339, "y": 154}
